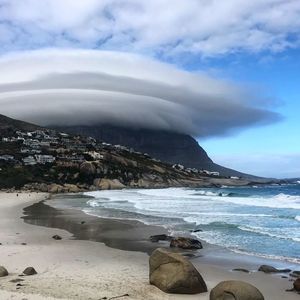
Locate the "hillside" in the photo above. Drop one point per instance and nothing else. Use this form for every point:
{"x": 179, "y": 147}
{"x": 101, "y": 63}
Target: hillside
{"x": 9, "y": 126}
{"x": 171, "y": 147}
{"x": 44, "y": 159}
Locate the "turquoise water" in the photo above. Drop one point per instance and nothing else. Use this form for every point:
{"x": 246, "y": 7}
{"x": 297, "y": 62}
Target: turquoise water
{"x": 259, "y": 220}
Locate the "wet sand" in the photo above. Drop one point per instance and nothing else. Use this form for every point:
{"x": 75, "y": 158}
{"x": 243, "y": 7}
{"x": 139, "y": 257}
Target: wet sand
{"x": 80, "y": 266}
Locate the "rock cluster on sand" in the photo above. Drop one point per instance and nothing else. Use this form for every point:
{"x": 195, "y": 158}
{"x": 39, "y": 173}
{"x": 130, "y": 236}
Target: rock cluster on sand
{"x": 235, "y": 290}
{"x": 29, "y": 271}
{"x": 172, "y": 273}
{"x": 3, "y": 272}
{"x": 185, "y": 243}
{"x": 270, "y": 269}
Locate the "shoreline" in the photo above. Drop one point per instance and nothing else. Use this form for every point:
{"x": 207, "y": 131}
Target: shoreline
{"x": 82, "y": 269}
{"x": 133, "y": 235}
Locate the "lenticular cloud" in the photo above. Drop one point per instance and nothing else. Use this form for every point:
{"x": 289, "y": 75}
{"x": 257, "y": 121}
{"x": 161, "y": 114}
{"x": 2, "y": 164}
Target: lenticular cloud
{"x": 86, "y": 87}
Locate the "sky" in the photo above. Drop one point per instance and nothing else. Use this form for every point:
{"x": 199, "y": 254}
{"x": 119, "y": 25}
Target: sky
{"x": 226, "y": 72}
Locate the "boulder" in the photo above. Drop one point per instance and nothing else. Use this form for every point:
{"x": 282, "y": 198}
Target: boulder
{"x": 55, "y": 188}
{"x": 87, "y": 168}
{"x": 270, "y": 269}
{"x": 297, "y": 285}
{"x": 235, "y": 290}
{"x": 3, "y": 272}
{"x": 29, "y": 271}
{"x": 172, "y": 273}
{"x": 160, "y": 237}
{"x": 185, "y": 243}
{"x": 71, "y": 188}
{"x": 108, "y": 184}
{"x": 57, "y": 237}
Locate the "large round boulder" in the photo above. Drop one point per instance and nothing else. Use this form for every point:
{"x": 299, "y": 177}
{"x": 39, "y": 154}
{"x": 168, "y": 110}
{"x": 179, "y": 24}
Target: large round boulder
{"x": 297, "y": 285}
{"x": 185, "y": 243}
{"x": 29, "y": 271}
{"x": 172, "y": 273}
{"x": 3, "y": 272}
{"x": 235, "y": 290}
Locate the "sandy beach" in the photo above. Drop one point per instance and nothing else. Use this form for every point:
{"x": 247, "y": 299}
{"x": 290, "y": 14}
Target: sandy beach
{"x": 81, "y": 269}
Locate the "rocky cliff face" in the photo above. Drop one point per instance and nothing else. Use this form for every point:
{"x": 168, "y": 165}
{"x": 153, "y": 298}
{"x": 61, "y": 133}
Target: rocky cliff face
{"x": 166, "y": 146}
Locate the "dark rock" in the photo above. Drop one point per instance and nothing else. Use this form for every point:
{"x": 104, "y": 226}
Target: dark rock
{"x": 16, "y": 280}
{"x": 196, "y": 230}
{"x": 270, "y": 269}
{"x": 3, "y": 272}
{"x": 241, "y": 270}
{"x": 185, "y": 243}
{"x": 235, "y": 290}
{"x": 172, "y": 273}
{"x": 24, "y": 244}
{"x": 29, "y": 271}
{"x": 160, "y": 237}
{"x": 297, "y": 285}
{"x": 295, "y": 274}
{"x": 82, "y": 222}
{"x": 57, "y": 237}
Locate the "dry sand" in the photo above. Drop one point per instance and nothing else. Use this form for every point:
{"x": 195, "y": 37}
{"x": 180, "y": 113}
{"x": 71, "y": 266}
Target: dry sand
{"x": 73, "y": 269}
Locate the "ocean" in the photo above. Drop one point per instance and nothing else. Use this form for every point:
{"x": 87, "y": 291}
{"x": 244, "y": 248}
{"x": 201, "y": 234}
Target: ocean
{"x": 263, "y": 220}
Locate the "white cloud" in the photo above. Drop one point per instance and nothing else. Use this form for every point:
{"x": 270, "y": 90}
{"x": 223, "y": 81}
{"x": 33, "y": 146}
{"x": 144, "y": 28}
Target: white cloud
{"x": 87, "y": 87}
{"x": 169, "y": 27}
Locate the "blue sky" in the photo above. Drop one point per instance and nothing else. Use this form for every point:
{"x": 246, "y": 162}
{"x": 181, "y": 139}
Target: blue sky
{"x": 278, "y": 75}
{"x": 245, "y": 54}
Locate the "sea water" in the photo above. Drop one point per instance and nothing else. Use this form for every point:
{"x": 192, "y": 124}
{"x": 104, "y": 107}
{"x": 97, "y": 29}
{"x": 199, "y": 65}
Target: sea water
{"x": 264, "y": 220}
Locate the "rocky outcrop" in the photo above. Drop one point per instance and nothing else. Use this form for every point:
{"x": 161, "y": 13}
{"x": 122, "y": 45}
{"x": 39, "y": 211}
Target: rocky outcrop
{"x": 88, "y": 168}
{"x": 30, "y": 271}
{"x": 55, "y": 188}
{"x": 185, "y": 243}
{"x": 108, "y": 184}
{"x": 71, "y": 188}
{"x": 270, "y": 269}
{"x": 172, "y": 273}
{"x": 235, "y": 290}
{"x": 3, "y": 272}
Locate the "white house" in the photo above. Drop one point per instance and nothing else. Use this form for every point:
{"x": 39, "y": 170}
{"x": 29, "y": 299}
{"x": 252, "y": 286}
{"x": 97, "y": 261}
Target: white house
{"x": 29, "y": 161}
{"x": 43, "y": 159}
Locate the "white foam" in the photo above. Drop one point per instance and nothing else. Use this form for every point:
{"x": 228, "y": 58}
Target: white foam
{"x": 278, "y": 201}
{"x": 297, "y": 218}
{"x": 260, "y": 230}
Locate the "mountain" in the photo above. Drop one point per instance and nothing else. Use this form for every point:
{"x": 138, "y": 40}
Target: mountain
{"x": 43, "y": 159}
{"x": 171, "y": 147}
{"x": 8, "y": 126}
